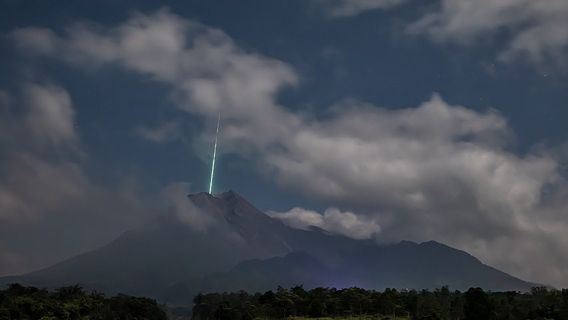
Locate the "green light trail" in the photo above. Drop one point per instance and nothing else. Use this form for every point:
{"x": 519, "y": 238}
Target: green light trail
{"x": 214, "y": 156}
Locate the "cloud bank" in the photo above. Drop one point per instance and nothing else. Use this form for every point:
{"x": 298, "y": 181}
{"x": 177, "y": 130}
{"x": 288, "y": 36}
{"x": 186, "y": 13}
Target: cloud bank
{"x": 433, "y": 171}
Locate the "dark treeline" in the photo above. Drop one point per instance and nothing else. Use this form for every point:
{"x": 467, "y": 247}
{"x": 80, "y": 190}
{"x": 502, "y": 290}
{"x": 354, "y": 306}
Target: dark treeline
{"x": 474, "y": 304}
{"x": 18, "y": 302}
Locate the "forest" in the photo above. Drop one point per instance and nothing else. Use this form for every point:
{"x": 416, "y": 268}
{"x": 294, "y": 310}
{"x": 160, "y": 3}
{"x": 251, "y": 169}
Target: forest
{"x": 19, "y": 302}
{"x": 355, "y": 303}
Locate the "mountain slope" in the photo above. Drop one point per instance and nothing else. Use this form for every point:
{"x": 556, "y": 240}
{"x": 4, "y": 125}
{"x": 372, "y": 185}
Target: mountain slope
{"x": 404, "y": 265}
{"x": 296, "y": 268}
{"x": 240, "y": 247}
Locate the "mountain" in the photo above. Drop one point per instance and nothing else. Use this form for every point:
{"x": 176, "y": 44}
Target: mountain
{"x": 403, "y": 265}
{"x": 223, "y": 242}
{"x": 261, "y": 275}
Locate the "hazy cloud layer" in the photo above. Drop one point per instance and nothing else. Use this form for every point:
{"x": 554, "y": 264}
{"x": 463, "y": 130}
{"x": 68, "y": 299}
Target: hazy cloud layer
{"x": 43, "y": 181}
{"x": 534, "y": 30}
{"x": 432, "y": 171}
{"x": 35, "y": 177}
{"x": 9, "y": 261}
{"x": 344, "y": 8}
{"x": 185, "y": 210}
{"x": 165, "y": 131}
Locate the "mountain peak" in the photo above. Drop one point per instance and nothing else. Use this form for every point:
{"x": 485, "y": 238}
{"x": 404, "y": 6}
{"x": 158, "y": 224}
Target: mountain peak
{"x": 229, "y": 205}
{"x": 226, "y": 199}
{"x": 200, "y": 196}
{"x": 227, "y": 195}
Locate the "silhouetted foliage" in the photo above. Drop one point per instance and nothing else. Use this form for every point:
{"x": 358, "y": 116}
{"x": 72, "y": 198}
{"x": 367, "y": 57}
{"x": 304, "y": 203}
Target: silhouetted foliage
{"x": 441, "y": 304}
{"x": 19, "y": 302}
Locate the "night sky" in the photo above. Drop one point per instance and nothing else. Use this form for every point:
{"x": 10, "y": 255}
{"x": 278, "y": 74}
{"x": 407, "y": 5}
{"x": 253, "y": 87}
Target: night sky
{"x": 387, "y": 119}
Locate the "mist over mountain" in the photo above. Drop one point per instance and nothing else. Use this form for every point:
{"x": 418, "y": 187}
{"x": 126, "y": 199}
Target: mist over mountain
{"x": 235, "y": 246}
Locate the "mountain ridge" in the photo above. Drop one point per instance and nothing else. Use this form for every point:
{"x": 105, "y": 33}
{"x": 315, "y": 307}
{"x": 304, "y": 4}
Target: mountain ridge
{"x": 170, "y": 259}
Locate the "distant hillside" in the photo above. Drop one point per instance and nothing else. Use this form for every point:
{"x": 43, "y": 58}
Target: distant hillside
{"x": 243, "y": 248}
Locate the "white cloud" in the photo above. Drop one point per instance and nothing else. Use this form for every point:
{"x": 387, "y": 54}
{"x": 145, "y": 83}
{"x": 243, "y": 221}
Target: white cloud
{"x": 536, "y": 31}
{"x": 47, "y": 120}
{"x": 150, "y": 45}
{"x": 209, "y": 71}
{"x": 332, "y": 220}
{"x": 432, "y": 171}
{"x": 50, "y": 115}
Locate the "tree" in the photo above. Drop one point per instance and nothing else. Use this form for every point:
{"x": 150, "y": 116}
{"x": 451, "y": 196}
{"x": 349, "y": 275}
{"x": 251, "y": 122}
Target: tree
{"x": 477, "y": 305}
{"x": 428, "y": 306}
{"x": 19, "y": 302}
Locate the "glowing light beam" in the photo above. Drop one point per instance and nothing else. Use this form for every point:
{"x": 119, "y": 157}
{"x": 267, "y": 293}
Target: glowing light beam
{"x": 214, "y": 156}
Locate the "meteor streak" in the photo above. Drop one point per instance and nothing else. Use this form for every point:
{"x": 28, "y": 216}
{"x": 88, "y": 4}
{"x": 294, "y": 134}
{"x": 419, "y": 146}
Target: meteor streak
{"x": 214, "y": 156}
